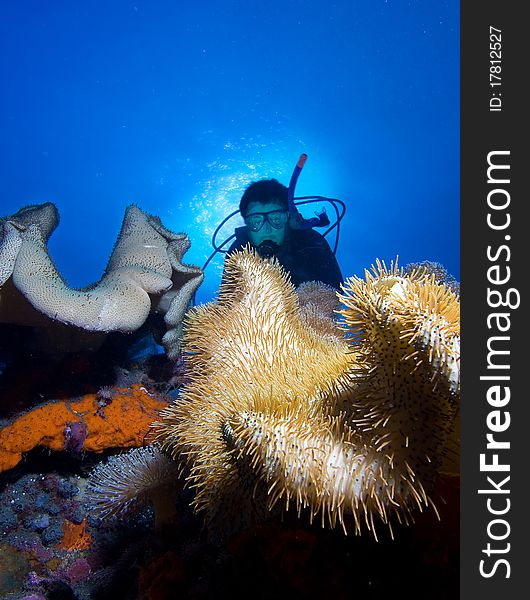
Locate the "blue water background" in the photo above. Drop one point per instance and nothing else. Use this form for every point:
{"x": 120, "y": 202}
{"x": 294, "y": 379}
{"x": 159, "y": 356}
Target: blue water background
{"x": 177, "y": 106}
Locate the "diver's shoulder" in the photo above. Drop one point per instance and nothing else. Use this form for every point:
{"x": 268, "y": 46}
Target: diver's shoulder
{"x": 305, "y": 237}
{"x": 306, "y": 234}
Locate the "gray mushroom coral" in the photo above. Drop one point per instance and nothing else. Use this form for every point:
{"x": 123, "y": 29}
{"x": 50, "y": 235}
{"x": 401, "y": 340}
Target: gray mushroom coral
{"x": 145, "y": 264}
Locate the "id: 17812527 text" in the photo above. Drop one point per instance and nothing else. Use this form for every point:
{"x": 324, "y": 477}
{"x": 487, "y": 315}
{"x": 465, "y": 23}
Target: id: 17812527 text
{"x": 495, "y": 69}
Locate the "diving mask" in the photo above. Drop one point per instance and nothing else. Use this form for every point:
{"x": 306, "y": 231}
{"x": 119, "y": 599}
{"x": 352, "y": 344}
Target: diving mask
{"x": 276, "y": 219}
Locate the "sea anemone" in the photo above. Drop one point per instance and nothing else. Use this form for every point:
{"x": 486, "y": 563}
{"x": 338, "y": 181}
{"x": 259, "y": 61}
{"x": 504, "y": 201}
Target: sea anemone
{"x": 129, "y": 481}
{"x": 438, "y": 270}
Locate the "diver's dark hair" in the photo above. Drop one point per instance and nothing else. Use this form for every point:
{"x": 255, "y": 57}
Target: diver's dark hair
{"x": 266, "y": 190}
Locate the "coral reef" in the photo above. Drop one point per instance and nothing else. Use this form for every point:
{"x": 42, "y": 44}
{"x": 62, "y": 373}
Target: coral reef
{"x": 278, "y": 412}
{"x": 78, "y": 558}
{"x": 46, "y": 532}
{"x": 145, "y": 274}
{"x": 86, "y": 424}
{"x": 59, "y": 527}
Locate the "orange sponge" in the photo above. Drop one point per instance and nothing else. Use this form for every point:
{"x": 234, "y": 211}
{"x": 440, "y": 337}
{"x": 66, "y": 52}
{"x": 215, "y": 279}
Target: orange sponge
{"x": 76, "y": 536}
{"x": 124, "y": 423}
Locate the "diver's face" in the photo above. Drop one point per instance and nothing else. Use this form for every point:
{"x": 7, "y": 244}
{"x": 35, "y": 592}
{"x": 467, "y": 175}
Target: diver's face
{"x": 266, "y": 222}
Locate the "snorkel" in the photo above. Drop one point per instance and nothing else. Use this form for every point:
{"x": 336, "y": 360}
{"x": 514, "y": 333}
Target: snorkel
{"x": 297, "y": 221}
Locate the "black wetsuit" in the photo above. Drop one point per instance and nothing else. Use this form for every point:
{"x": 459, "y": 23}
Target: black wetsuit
{"x": 305, "y": 254}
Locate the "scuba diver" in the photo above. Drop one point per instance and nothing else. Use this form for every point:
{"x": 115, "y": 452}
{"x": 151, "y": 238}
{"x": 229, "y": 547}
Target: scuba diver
{"x": 273, "y": 228}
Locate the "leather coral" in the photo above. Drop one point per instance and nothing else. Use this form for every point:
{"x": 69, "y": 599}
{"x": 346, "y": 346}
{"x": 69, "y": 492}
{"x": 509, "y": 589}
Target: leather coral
{"x": 350, "y": 429}
{"x": 145, "y": 274}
